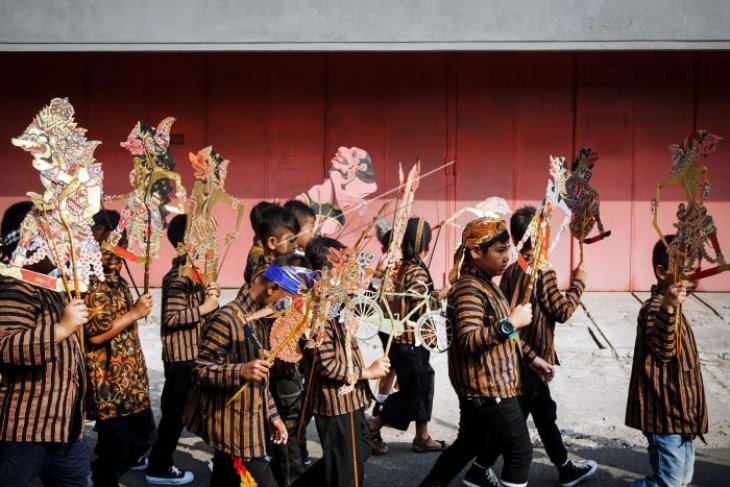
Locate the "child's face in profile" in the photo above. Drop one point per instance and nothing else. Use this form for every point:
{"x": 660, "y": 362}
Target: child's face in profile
{"x": 494, "y": 260}
{"x": 527, "y": 254}
{"x": 283, "y": 242}
{"x": 305, "y": 233}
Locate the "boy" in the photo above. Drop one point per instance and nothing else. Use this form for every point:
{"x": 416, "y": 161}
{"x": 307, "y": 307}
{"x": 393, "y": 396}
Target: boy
{"x": 186, "y": 304}
{"x": 484, "y": 362}
{"x": 257, "y": 249}
{"x": 414, "y": 399}
{"x": 666, "y": 398}
{"x": 334, "y": 412}
{"x": 42, "y": 404}
{"x": 119, "y": 393}
{"x": 549, "y": 306}
{"x": 306, "y": 218}
{"x": 230, "y": 355}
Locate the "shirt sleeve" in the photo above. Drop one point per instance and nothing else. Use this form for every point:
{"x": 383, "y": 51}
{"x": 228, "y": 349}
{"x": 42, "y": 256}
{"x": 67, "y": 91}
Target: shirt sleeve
{"x": 212, "y": 368}
{"x": 661, "y": 329}
{"x": 328, "y": 363}
{"x": 559, "y": 307}
{"x": 474, "y": 324}
{"x": 179, "y": 310}
{"x": 23, "y": 340}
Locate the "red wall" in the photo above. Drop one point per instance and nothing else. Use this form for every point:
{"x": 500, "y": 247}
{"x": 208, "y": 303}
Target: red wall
{"x": 280, "y": 117}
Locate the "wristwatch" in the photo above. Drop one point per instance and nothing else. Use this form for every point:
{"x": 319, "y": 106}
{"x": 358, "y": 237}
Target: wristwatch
{"x": 507, "y": 328}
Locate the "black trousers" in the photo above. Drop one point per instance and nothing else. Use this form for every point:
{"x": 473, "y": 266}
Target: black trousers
{"x": 414, "y": 399}
{"x": 178, "y": 381}
{"x": 286, "y": 459}
{"x": 57, "y": 464}
{"x": 121, "y": 441}
{"x": 538, "y": 402}
{"x": 225, "y": 475}
{"x": 336, "y": 467}
{"x": 497, "y": 428}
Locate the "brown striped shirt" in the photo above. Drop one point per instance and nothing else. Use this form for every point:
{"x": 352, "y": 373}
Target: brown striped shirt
{"x": 549, "y": 306}
{"x": 483, "y": 363}
{"x": 412, "y": 278}
{"x": 181, "y": 318}
{"x": 666, "y": 392}
{"x": 226, "y": 346}
{"x": 330, "y": 373}
{"x": 42, "y": 383}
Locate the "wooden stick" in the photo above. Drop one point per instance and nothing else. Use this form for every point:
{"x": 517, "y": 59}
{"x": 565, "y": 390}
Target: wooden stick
{"x": 355, "y": 479}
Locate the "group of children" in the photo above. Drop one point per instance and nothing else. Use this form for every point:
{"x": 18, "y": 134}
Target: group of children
{"x": 500, "y": 362}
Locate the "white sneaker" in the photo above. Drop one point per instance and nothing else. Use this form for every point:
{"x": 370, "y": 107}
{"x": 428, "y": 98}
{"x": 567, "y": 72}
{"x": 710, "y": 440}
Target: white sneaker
{"x": 174, "y": 476}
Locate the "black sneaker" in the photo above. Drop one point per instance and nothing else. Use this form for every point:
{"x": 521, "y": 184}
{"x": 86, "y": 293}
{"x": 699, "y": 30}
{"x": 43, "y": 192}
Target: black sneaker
{"x": 480, "y": 477}
{"x": 575, "y": 472}
{"x": 140, "y": 466}
{"x": 173, "y": 476}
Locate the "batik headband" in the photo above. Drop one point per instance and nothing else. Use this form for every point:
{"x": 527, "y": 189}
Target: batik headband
{"x": 292, "y": 279}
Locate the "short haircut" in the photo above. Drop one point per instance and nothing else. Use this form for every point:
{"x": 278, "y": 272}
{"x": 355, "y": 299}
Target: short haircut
{"x": 257, "y": 210}
{"x": 276, "y": 219}
{"x": 293, "y": 260}
{"x": 12, "y": 219}
{"x": 301, "y": 211}
{"x": 176, "y": 230}
{"x": 107, "y": 219}
{"x": 317, "y": 248}
{"x": 660, "y": 256}
{"x": 519, "y": 222}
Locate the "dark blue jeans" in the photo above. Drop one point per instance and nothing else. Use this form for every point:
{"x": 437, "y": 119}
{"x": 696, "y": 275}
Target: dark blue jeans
{"x": 57, "y": 465}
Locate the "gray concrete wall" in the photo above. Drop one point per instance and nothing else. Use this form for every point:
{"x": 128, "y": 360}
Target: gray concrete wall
{"x": 61, "y": 25}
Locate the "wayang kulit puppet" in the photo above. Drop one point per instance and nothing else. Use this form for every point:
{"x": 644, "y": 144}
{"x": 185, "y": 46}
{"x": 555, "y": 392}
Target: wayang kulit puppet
{"x": 201, "y": 242}
{"x": 143, "y": 217}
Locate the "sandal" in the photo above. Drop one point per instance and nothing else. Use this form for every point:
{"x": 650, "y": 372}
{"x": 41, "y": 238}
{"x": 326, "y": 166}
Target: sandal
{"x": 428, "y": 445}
{"x": 377, "y": 445}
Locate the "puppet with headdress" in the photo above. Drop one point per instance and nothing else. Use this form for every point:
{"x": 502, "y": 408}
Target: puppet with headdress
{"x": 583, "y": 200}
{"x": 58, "y": 229}
{"x": 351, "y": 180}
{"x": 201, "y": 242}
{"x": 143, "y": 217}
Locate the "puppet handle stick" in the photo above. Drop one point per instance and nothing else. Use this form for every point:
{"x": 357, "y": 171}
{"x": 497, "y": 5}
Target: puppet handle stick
{"x": 303, "y": 412}
{"x": 355, "y": 476}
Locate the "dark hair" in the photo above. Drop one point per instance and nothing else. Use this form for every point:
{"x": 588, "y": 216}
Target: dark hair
{"x": 660, "y": 256}
{"x": 408, "y": 245}
{"x": 317, "y": 248}
{"x": 275, "y": 219}
{"x": 501, "y": 238}
{"x": 107, "y": 219}
{"x": 519, "y": 222}
{"x": 12, "y": 219}
{"x": 294, "y": 260}
{"x": 256, "y": 211}
{"x": 301, "y": 211}
{"x": 176, "y": 230}
{"x": 385, "y": 239}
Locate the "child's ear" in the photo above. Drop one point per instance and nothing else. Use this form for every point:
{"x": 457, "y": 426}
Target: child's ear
{"x": 660, "y": 272}
{"x": 475, "y": 252}
{"x": 272, "y": 289}
{"x": 271, "y": 243}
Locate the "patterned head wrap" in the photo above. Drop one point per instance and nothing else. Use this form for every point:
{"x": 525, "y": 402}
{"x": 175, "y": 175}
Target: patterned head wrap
{"x": 475, "y": 233}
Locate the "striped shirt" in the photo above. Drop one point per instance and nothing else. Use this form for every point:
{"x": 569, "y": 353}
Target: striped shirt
{"x": 42, "y": 383}
{"x": 666, "y": 392}
{"x": 226, "y": 346}
{"x": 181, "y": 318}
{"x": 549, "y": 306}
{"x": 330, "y": 373}
{"x": 412, "y": 278}
{"x": 483, "y": 363}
